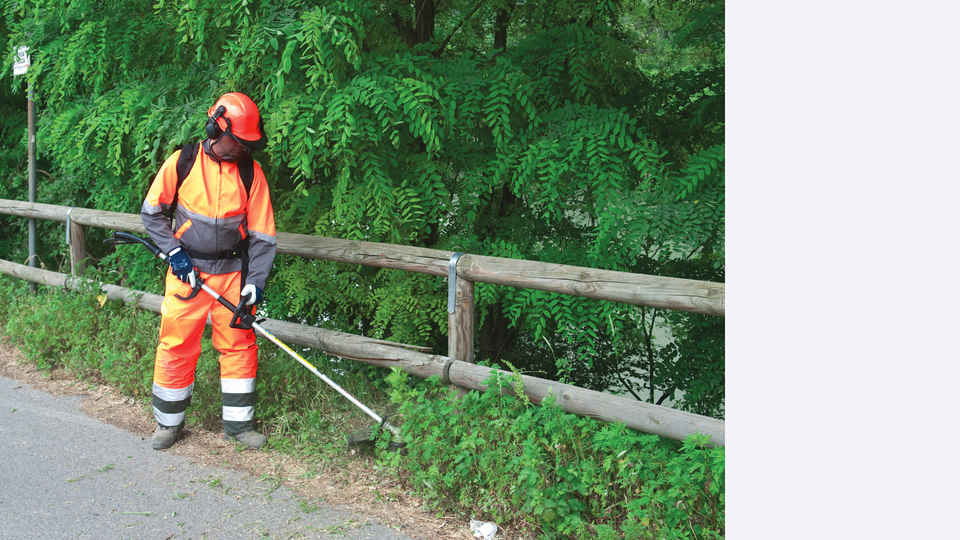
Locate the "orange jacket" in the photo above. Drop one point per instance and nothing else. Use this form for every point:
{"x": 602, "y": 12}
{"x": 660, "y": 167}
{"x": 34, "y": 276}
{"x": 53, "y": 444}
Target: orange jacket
{"x": 214, "y": 213}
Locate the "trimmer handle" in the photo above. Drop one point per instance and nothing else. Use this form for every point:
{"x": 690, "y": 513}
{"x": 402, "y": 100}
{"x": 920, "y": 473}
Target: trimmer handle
{"x": 244, "y": 318}
{"x": 120, "y": 237}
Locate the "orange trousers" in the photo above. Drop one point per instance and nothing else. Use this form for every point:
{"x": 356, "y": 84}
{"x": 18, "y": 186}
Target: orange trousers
{"x": 181, "y": 327}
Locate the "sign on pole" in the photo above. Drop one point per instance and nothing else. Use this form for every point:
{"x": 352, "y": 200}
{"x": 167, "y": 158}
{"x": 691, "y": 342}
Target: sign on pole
{"x": 23, "y": 61}
{"x": 20, "y": 67}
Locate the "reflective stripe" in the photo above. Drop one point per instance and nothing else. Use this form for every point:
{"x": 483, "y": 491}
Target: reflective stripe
{"x": 268, "y": 238}
{"x": 238, "y": 414}
{"x": 237, "y": 386}
{"x": 168, "y": 419}
{"x": 148, "y": 208}
{"x": 224, "y": 222}
{"x": 183, "y": 228}
{"x": 172, "y": 394}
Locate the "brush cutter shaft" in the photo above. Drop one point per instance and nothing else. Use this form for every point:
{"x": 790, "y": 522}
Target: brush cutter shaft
{"x": 266, "y": 333}
{"x": 286, "y": 348}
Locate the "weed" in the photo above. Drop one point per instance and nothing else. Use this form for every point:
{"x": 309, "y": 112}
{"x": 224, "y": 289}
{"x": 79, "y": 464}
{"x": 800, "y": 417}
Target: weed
{"x": 341, "y": 529}
{"x": 310, "y": 473}
{"x": 273, "y": 481}
{"x": 497, "y": 455}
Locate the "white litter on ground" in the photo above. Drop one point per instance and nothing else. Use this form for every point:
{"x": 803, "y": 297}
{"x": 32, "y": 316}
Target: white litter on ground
{"x": 485, "y": 530}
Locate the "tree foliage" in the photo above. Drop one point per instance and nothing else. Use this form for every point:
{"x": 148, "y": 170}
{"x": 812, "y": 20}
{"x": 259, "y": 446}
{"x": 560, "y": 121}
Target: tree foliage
{"x": 569, "y": 132}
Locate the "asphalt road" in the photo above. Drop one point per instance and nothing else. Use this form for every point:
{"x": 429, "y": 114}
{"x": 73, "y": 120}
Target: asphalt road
{"x": 66, "y": 475}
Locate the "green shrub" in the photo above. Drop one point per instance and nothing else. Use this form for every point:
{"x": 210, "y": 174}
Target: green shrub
{"x": 536, "y": 467}
{"x": 90, "y": 337}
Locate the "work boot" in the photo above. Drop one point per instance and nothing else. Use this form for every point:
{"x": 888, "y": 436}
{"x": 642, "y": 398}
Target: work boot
{"x": 164, "y": 437}
{"x": 250, "y": 438}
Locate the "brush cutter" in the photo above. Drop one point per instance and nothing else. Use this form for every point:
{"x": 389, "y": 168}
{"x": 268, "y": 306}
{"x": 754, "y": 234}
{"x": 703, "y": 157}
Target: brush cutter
{"x": 244, "y": 318}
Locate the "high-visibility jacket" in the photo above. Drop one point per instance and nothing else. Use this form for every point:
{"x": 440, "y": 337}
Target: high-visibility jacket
{"x": 214, "y": 213}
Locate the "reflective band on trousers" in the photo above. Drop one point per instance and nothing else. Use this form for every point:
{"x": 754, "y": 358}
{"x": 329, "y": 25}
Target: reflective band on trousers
{"x": 238, "y": 414}
{"x": 168, "y": 419}
{"x": 237, "y": 386}
{"x": 172, "y": 394}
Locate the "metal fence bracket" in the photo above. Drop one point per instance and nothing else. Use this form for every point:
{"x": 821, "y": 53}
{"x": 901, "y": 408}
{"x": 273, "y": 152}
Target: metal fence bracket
{"x": 452, "y": 283}
{"x": 68, "y": 225}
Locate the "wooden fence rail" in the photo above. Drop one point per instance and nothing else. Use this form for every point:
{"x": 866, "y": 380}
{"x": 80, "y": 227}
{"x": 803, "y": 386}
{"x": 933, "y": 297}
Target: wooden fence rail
{"x": 705, "y": 297}
{"x": 655, "y": 291}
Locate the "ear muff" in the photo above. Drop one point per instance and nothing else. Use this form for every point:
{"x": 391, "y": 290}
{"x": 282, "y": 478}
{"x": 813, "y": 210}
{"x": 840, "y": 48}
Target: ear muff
{"x": 213, "y": 128}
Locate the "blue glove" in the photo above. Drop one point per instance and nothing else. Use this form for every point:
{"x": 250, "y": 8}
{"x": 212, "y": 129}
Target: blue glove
{"x": 182, "y": 266}
{"x": 250, "y": 295}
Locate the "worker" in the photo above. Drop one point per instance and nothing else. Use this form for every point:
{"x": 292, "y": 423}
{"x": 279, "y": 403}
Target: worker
{"x": 222, "y": 232}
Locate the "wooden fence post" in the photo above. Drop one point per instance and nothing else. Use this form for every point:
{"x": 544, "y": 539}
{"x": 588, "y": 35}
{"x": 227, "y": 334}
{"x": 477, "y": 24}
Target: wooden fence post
{"x": 459, "y": 314}
{"x": 460, "y": 323}
{"x": 78, "y": 249}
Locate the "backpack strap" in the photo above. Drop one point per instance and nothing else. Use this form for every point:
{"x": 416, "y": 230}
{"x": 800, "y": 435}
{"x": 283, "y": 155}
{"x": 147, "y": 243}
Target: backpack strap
{"x": 245, "y": 168}
{"x": 188, "y": 156}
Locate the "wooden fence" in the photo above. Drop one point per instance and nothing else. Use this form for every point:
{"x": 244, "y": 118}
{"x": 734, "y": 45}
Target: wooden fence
{"x": 461, "y": 269}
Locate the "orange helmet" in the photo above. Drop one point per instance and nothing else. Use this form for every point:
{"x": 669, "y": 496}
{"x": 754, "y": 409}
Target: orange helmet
{"x": 237, "y": 115}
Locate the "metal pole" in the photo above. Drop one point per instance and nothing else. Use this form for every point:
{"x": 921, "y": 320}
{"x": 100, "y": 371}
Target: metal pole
{"x": 31, "y": 176}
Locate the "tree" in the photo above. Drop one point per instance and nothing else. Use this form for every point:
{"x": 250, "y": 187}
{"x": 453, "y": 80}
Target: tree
{"x": 569, "y": 132}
